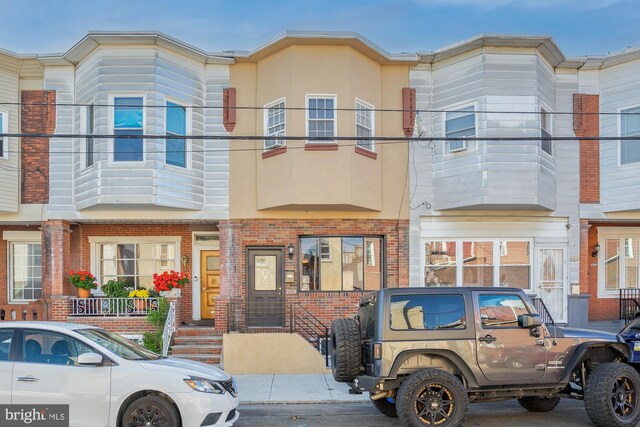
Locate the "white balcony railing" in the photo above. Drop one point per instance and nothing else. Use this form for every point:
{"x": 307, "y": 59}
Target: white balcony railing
{"x": 118, "y": 307}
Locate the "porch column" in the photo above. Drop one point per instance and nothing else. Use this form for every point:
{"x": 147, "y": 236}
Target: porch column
{"x": 585, "y": 256}
{"x": 56, "y": 255}
{"x": 230, "y": 269}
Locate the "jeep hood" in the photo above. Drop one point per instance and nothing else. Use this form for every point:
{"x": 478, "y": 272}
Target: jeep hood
{"x": 583, "y": 334}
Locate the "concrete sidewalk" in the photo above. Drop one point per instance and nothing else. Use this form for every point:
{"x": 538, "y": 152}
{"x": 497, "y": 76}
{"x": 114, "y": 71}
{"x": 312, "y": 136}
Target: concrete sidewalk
{"x": 303, "y": 388}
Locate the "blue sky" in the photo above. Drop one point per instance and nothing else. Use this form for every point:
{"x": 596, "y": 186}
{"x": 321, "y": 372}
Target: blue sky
{"x": 579, "y": 27}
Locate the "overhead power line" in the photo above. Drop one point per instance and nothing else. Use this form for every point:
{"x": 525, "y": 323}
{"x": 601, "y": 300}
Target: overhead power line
{"x": 387, "y": 110}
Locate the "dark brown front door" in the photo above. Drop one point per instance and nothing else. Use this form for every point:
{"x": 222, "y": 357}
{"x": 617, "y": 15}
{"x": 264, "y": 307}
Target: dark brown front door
{"x": 265, "y": 288}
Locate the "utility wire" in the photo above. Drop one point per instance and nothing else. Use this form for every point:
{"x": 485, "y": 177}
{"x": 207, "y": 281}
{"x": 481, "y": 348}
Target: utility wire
{"x": 389, "y": 110}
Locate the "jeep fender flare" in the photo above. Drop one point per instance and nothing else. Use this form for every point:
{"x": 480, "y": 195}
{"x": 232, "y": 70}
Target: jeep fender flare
{"x": 448, "y": 355}
{"x": 584, "y": 350}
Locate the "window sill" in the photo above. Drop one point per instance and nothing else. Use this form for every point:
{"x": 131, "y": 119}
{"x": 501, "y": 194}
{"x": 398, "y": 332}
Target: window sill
{"x": 274, "y": 152}
{"x": 366, "y": 153}
{"x": 321, "y": 147}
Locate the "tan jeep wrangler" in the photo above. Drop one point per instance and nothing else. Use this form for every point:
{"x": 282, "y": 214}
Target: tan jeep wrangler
{"x": 424, "y": 353}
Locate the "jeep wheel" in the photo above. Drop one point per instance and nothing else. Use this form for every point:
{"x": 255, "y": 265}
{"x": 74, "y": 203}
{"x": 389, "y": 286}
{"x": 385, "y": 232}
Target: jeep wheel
{"x": 385, "y": 407}
{"x": 432, "y": 397}
{"x": 345, "y": 349}
{"x": 539, "y": 404}
{"x": 611, "y": 395}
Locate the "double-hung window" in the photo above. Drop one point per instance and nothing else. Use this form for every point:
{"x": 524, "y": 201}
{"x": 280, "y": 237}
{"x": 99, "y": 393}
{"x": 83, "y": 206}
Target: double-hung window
{"x": 630, "y": 127}
{"x": 364, "y": 125}
{"x": 546, "y": 143}
{"x": 176, "y": 148}
{"x": 90, "y": 117}
{"x": 321, "y": 119}
{"x": 25, "y": 263}
{"x": 128, "y": 129}
{"x": 350, "y": 263}
{"x": 274, "y": 125}
{"x": 4, "y": 125}
{"x": 619, "y": 260}
{"x": 460, "y": 123}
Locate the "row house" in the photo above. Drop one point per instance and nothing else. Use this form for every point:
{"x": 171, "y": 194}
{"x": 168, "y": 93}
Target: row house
{"x": 298, "y": 192}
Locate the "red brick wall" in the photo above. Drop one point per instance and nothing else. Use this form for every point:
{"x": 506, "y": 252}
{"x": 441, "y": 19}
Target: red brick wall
{"x": 326, "y": 306}
{"x": 120, "y": 325}
{"x": 599, "y": 308}
{"x": 587, "y": 124}
{"x": 36, "y": 119}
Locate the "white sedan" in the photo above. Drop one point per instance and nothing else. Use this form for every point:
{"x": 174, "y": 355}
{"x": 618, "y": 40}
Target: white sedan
{"x": 107, "y": 380}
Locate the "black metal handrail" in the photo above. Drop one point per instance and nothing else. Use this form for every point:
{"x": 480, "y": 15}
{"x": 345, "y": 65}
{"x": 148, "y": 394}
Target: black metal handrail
{"x": 629, "y": 304}
{"x": 243, "y": 316}
{"x": 543, "y": 311}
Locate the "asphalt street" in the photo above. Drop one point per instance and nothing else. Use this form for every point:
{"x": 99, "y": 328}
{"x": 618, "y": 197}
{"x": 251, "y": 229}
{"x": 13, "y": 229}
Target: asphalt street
{"x": 569, "y": 413}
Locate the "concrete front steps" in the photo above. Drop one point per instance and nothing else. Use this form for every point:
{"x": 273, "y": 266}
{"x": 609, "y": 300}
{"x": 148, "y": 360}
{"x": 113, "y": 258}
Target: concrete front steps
{"x": 197, "y": 343}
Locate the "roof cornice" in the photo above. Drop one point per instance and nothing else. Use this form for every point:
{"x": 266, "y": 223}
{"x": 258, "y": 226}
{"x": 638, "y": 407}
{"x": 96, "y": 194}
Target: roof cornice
{"x": 94, "y": 39}
{"x": 326, "y": 38}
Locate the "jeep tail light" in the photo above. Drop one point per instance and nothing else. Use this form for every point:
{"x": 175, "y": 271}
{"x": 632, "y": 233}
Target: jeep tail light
{"x": 377, "y": 351}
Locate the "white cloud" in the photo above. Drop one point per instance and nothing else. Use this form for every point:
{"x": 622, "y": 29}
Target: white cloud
{"x": 528, "y": 4}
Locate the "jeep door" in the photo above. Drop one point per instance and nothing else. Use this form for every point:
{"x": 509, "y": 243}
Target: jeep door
{"x": 507, "y": 353}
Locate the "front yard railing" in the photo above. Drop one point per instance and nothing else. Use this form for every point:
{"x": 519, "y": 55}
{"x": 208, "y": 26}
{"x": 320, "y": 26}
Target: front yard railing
{"x": 629, "y": 304}
{"x": 169, "y": 328}
{"x": 112, "y": 306}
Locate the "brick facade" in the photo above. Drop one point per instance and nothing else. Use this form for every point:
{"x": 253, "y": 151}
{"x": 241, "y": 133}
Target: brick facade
{"x": 586, "y": 123}
{"x": 38, "y": 116}
{"x": 237, "y": 236}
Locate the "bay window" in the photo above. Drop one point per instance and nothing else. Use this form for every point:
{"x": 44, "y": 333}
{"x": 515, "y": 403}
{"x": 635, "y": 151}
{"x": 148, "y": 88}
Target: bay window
{"x": 364, "y": 125}
{"x": 4, "y": 126}
{"x": 127, "y": 125}
{"x": 321, "y": 118}
{"x": 630, "y": 127}
{"x": 176, "y": 125}
{"x": 348, "y": 263}
{"x": 275, "y": 117}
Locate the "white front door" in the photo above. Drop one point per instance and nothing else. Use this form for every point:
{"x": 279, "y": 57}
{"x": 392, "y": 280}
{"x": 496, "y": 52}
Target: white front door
{"x": 552, "y": 279}
{"x": 46, "y": 374}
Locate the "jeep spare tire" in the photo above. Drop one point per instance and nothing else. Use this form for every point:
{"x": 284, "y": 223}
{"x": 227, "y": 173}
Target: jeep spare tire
{"x": 345, "y": 349}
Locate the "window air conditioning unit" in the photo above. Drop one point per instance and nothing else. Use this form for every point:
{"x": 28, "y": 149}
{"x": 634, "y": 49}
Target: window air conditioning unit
{"x": 457, "y": 146}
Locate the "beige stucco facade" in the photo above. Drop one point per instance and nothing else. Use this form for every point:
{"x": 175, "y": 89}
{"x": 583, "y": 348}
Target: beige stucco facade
{"x": 303, "y": 180}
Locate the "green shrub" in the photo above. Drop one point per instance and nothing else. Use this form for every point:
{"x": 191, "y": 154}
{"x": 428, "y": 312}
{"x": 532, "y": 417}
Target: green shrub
{"x": 153, "y": 340}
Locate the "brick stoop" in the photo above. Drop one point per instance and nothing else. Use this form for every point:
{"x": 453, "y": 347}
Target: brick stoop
{"x": 197, "y": 343}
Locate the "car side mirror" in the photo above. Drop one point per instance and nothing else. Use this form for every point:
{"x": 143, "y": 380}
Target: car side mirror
{"x": 89, "y": 359}
{"x": 529, "y": 320}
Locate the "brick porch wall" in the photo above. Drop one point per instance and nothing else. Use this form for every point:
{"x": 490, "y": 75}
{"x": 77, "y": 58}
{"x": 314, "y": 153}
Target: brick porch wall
{"x": 599, "y": 308}
{"x": 80, "y": 245}
{"x": 238, "y": 235}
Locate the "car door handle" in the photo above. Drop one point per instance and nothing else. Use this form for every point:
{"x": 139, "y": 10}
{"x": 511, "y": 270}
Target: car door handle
{"x": 28, "y": 379}
{"x": 487, "y": 339}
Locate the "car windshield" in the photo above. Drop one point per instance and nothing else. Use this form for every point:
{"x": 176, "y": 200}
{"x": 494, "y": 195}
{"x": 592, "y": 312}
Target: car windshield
{"x": 118, "y": 345}
{"x": 633, "y": 326}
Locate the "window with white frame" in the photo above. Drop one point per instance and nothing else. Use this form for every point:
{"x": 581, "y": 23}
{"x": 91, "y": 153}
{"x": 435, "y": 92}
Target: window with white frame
{"x": 489, "y": 263}
{"x": 89, "y": 118}
{"x": 4, "y": 126}
{"x": 619, "y": 263}
{"x": 546, "y": 143}
{"x": 630, "y": 127}
{"x": 25, "y": 262}
{"x": 275, "y": 117}
{"x": 364, "y": 125}
{"x": 176, "y": 123}
{"x": 321, "y": 118}
{"x": 128, "y": 129}
{"x": 460, "y": 123}
{"x": 134, "y": 262}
